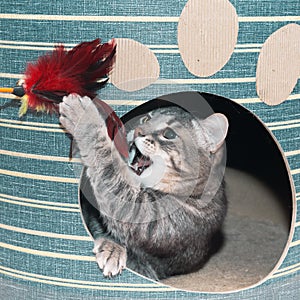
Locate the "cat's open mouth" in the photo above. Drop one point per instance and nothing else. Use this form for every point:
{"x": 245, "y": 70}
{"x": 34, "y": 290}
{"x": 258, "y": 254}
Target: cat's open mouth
{"x": 137, "y": 161}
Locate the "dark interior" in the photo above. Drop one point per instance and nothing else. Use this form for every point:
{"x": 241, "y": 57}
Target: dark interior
{"x": 260, "y": 197}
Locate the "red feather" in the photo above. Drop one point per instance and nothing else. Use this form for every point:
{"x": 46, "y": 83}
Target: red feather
{"x": 82, "y": 70}
{"x": 115, "y": 127}
{"x": 62, "y": 72}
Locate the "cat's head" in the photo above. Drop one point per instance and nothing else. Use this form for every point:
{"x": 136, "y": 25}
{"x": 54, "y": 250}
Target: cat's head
{"x": 171, "y": 150}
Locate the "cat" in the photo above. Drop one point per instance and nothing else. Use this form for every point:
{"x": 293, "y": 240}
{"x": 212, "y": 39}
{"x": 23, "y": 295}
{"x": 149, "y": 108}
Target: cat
{"x": 159, "y": 209}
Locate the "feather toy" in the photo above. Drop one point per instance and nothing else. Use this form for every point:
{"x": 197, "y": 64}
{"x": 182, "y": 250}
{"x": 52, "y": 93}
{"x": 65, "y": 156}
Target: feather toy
{"x": 82, "y": 70}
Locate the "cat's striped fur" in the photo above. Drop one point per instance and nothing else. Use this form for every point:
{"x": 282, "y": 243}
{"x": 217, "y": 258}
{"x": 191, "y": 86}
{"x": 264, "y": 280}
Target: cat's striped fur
{"x": 160, "y": 222}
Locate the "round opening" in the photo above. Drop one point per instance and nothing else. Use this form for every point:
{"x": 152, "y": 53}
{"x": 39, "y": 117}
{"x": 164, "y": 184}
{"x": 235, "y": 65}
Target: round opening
{"x": 260, "y": 198}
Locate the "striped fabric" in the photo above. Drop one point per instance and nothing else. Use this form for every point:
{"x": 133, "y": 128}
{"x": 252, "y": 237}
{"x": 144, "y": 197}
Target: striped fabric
{"x": 45, "y": 249}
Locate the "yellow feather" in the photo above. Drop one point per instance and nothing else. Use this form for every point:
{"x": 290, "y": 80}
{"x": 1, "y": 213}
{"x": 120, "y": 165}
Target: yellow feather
{"x": 41, "y": 108}
{"x": 24, "y": 106}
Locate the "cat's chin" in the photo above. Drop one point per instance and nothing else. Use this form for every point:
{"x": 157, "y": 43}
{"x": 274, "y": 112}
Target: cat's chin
{"x": 149, "y": 178}
{"x": 152, "y": 176}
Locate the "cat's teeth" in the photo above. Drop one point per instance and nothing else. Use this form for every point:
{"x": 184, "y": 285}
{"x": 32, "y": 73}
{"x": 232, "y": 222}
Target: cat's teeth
{"x": 131, "y": 155}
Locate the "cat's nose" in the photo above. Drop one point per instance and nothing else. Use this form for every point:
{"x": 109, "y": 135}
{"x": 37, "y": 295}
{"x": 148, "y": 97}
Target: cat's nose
{"x": 138, "y": 132}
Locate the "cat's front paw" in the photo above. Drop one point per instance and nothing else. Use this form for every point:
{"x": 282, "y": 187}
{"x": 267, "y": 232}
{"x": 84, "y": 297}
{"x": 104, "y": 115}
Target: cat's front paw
{"x": 110, "y": 256}
{"x": 78, "y": 115}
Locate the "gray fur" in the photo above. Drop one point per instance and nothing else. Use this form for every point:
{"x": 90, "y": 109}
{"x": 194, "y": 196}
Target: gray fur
{"x": 162, "y": 224}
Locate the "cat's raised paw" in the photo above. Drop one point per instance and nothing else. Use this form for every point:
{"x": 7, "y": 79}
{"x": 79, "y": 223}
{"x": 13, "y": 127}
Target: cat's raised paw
{"x": 78, "y": 113}
{"x": 110, "y": 256}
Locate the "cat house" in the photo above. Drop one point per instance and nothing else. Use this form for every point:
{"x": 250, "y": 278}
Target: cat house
{"x": 240, "y": 58}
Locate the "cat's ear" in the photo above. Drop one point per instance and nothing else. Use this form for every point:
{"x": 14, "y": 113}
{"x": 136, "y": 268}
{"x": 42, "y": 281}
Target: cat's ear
{"x": 216, "y": 128}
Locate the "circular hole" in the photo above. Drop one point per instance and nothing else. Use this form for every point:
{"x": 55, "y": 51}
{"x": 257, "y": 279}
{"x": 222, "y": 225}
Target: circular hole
{"x": 260, "y": 198}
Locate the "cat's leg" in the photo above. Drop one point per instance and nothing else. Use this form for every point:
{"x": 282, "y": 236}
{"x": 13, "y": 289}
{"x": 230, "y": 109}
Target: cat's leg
{"x": 143, "y": 269}
{"x": 110, "y": 256}
{"x": 82, "y": 119}
{"x": 143, "y": 264}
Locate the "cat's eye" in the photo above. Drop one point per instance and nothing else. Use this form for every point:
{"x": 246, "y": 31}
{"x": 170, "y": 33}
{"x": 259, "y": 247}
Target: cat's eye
{"x": 145, "y": 119}
{"x": 169, "y": 134}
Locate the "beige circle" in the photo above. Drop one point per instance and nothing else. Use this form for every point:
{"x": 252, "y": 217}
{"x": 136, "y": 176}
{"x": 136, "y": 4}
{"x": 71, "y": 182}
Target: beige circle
{"x": 207, "y": 35}
{"x": 136, "y": 66}
{"x": 278, "y": 67}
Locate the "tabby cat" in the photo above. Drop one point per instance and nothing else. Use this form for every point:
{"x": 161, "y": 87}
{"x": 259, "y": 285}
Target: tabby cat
{"x": 158, "y": 210}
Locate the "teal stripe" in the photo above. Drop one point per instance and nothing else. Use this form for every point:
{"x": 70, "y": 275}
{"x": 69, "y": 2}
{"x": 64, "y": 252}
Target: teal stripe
{"x": 40, "y": 243}
{"x": 27, "y": 30}
{"x": 33, "y": 30}
{"x": 38, "y": 189}
{"x": 155, "y": 8}
{"x": 55, "y": 266}
{"x": 35, "y": 142}
{"x": 128, "y": 8}
{"x": 69, "y": 269}
{"x": 294, "y": 161}
{"x": 59, "y": 222}
{"x": 40, "y": 167}
{"x": 296, "y": 237}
